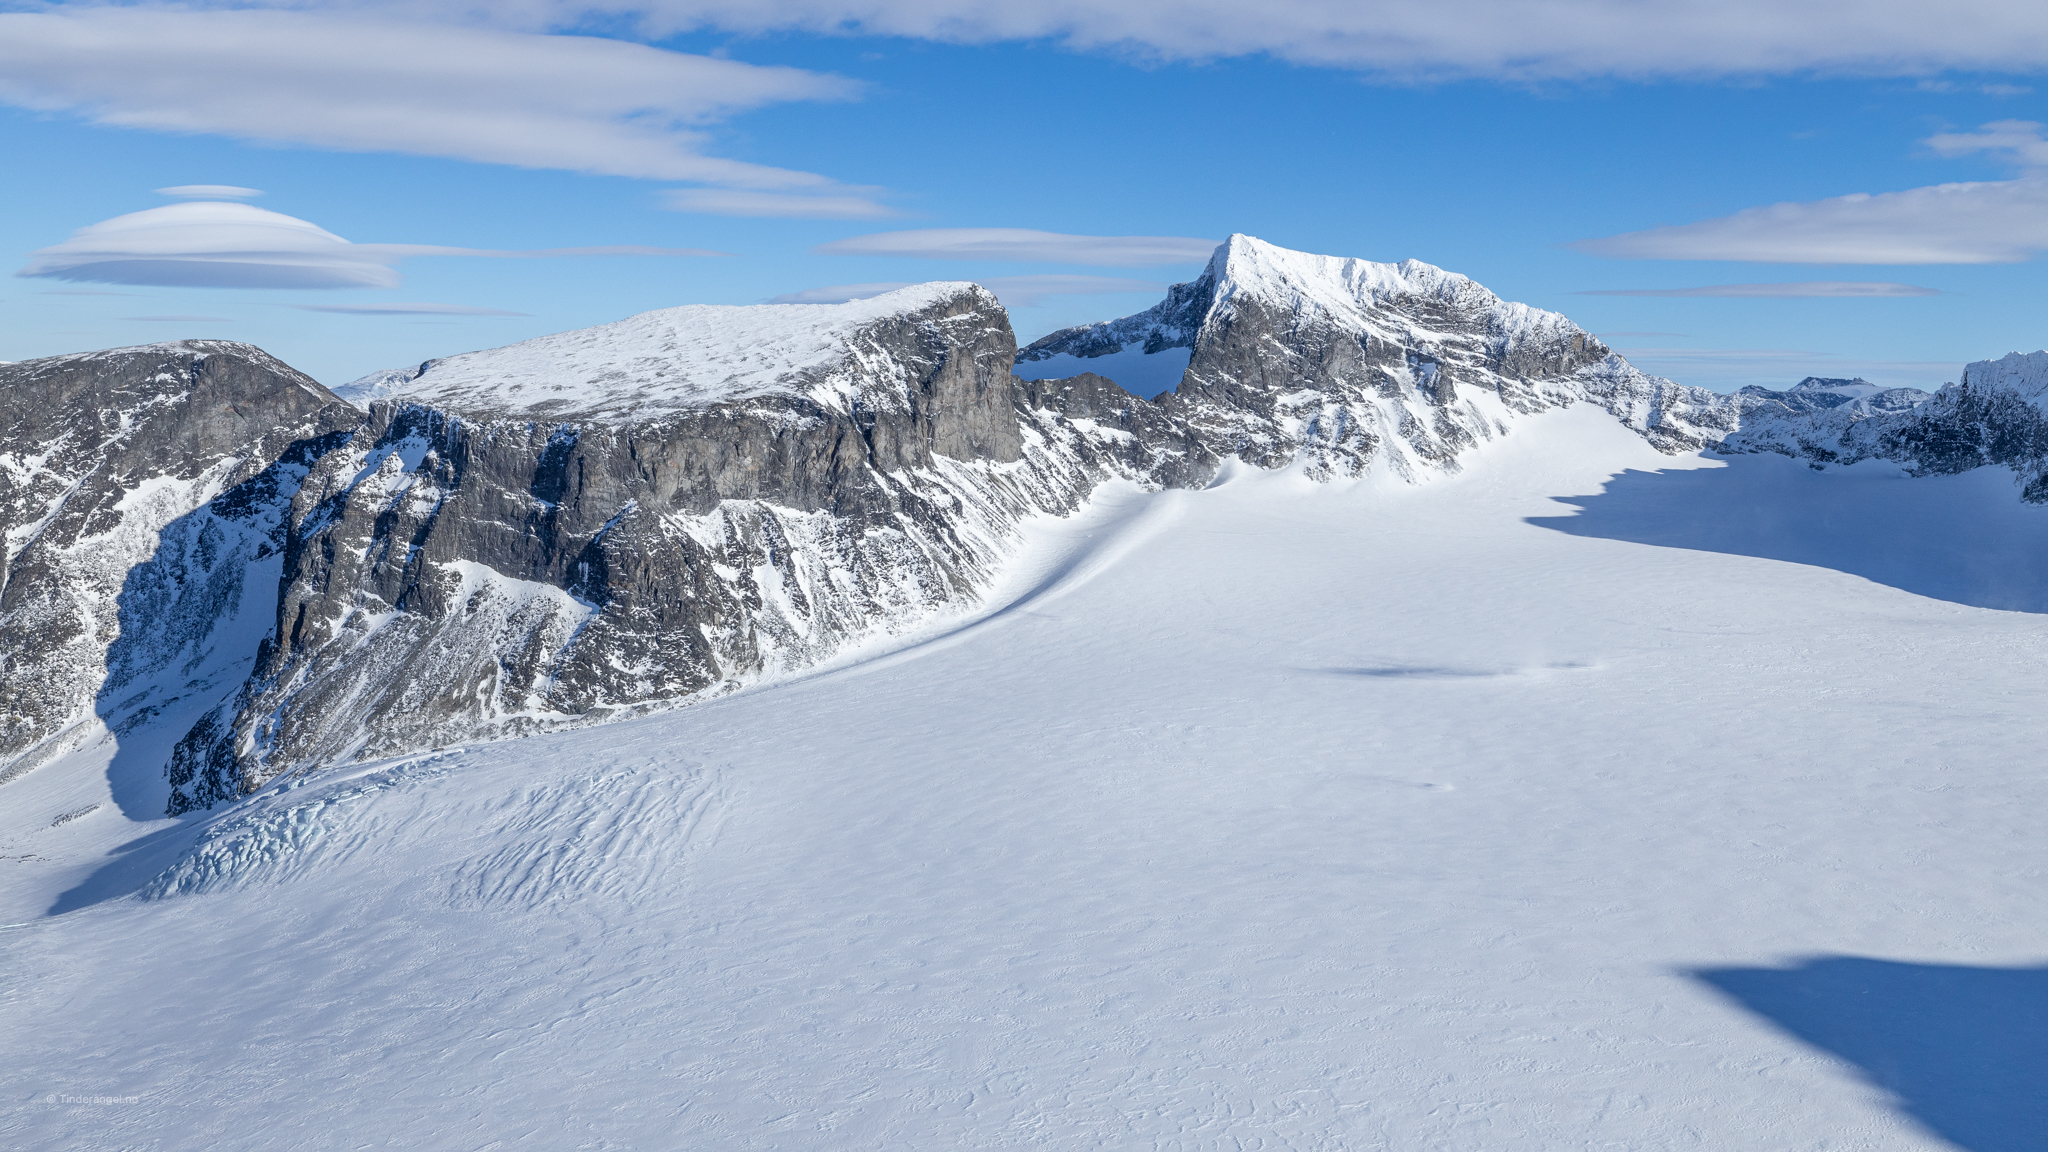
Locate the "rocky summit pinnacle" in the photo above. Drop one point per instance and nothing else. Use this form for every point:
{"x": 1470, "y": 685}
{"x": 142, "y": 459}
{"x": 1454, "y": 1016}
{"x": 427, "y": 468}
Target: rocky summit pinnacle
{"x": 592, "y": 524}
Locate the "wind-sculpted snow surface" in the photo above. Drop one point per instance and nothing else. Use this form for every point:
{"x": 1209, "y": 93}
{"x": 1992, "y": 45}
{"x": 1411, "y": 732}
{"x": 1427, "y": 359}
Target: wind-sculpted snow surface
{"x": 1582, "y": 800}
{"x": 142, "y": 493}
{"x": 681, "y": 360}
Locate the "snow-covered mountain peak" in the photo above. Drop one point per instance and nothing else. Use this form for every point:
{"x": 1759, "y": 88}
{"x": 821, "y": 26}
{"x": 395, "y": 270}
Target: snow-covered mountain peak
{"x": 1350, "y": 290}
{"x": 2023, "y": 374}
{"x": 1411, "y": 304}
{"x": 670, "y": 360}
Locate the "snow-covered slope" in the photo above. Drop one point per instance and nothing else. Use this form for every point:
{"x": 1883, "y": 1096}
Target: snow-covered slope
{"x": 672, "y": 360}
{"x": 1592, "y": 798}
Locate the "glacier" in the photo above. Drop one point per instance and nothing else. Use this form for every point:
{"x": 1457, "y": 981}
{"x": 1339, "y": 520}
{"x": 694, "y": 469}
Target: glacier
{"x": 833, "y": 726}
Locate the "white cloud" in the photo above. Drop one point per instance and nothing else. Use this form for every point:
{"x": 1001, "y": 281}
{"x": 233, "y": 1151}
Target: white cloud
{"x": 203, "y": 244}
{"x": 573, "y": 102}
{"x": 405, "y": 310}
{"x": 783, "y": 205}
{"x": 1854, "y": 289}
{"x": 211, "y": 245}
{"x": 1023, "y": 244}
{"x": 2019, "y": 140}
{"x": 1501, "y": 39}
{"x": 1988, "y": 222}
{"x": 2000, "y": 222}
{"x": 1013, "y": 291}
{"x": 211, "y": 192}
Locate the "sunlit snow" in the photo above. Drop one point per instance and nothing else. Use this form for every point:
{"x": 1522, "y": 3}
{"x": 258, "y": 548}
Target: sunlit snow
{"x": 1590, "y": 798}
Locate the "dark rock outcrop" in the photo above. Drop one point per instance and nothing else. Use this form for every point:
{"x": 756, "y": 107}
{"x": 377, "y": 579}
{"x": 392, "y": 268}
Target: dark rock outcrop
{"x": 484, "y": 564}
{"x": 137, "y": 488}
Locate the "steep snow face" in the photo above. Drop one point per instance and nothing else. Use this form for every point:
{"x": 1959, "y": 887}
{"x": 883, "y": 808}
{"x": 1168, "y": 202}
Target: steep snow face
{"x": 670, "y": 360}
{"x": 142, "y": 493}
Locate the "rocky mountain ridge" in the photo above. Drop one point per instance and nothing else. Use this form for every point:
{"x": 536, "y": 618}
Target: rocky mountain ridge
{"x": 142, "y": 493}
{"x": 593, "y": 524}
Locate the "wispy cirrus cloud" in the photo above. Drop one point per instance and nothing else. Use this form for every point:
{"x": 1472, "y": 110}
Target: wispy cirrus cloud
{"x": 210, "y": 192}
{"x": 1984, "y": 222}
{"x": 1841, "y": 289}
{"x": 204, "y": 244}
{"x": 1726, "y": 369}
{"x": 1025, "y": 245}
{"x": 384, "y": 81}
{"x": 1013, "y": 291}
{"x": 412, "y": 309}
{"x": 853, "y": 205}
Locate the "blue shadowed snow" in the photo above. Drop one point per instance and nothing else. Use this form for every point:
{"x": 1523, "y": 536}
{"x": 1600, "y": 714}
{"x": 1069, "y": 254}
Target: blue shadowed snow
{"x": 1966, "y": 539}
{"x": 1963, "y": 1049}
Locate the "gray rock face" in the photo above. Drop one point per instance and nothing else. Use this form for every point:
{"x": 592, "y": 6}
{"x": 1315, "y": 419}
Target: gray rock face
{"x": 481, "y": 563}
{"x": 1994, "y": 415}
{"x": 140, "y": 488}
{"x": 1347, "y": 365}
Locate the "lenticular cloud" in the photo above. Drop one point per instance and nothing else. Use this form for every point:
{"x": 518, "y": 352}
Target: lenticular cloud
{"x": 212, "y": 245}
{"x": 215, "y": 245}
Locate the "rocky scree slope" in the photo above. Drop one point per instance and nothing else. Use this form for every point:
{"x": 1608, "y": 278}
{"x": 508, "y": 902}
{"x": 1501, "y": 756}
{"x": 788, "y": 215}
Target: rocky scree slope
{"x": 142, "y": 497}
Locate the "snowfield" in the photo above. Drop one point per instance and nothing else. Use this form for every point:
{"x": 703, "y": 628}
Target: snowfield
{"x": 668, "y": 360}
{"x": 1591, "y": 798}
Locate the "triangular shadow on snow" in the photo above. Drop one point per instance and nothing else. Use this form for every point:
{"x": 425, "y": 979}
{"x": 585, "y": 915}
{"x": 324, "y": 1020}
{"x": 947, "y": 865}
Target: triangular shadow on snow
{"x": 1963, "y": 1050}
{"x": 1966, "y": 539}
{"x": 191, "y": 617}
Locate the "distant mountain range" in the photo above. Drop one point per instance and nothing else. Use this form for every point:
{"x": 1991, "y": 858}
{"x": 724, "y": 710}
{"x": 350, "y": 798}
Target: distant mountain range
{"x": 598, "y": 523}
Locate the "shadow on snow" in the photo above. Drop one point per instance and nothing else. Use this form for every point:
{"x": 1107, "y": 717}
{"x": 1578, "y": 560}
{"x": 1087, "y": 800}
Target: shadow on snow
{"x": 1966, "y": 539}
{"x": 1964, "y": 1050}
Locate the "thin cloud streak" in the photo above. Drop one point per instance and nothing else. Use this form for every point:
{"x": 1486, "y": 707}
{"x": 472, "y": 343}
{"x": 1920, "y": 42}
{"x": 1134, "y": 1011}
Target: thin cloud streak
{"x": 1025, "y": 245}
{"x": 1013, "y": 291}
{"x": 776, "y": 205}
{"x": 211, "y": 192}
{"x": 1727, "y": 369}
{"x": 1840, "y": 289}
{"x": 404, "y": 310}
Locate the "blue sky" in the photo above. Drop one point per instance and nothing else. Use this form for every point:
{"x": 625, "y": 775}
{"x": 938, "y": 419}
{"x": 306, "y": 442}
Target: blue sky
{"x": 1490, "y": 152}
